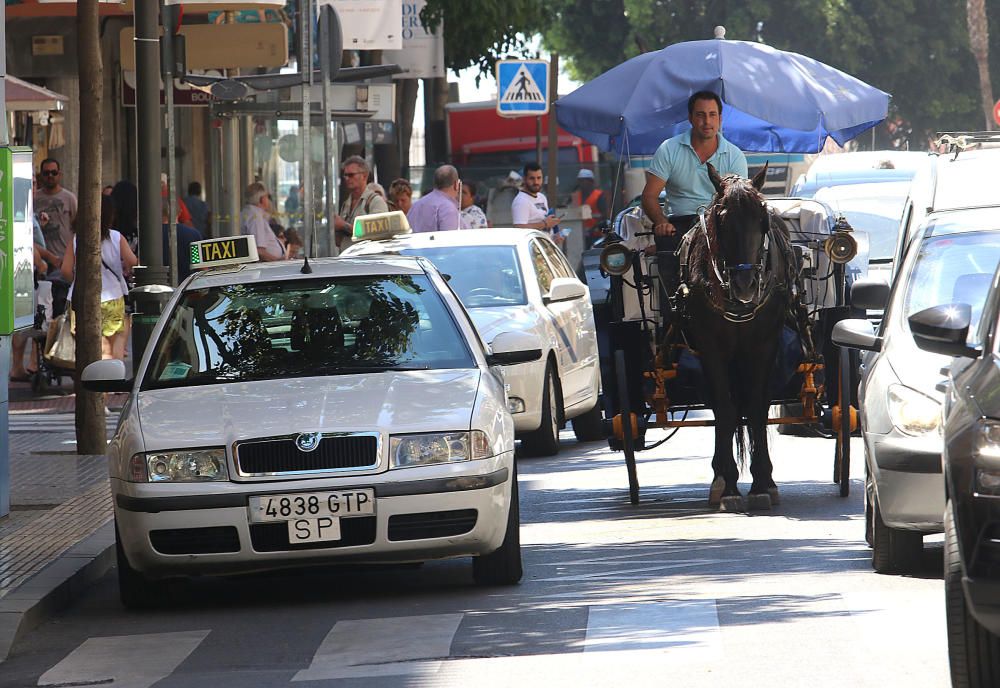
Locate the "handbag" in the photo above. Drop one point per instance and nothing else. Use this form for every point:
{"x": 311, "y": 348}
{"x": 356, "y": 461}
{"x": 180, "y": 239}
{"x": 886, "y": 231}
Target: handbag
{"x": 60, "y": 343}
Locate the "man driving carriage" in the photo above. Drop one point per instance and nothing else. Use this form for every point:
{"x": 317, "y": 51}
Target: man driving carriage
{"x": 679, "y": 165}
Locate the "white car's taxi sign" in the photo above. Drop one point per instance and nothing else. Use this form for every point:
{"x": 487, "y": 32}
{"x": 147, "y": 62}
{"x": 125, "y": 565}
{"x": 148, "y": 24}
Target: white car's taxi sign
{"x": 213, "y": 253}
{"x": 381, "y": 225}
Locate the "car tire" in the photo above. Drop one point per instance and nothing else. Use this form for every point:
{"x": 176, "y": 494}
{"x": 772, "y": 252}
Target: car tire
{"x": 589, "y": 427}
{"x": 503, "y": 567}
{"x": 973, "y": 652}
{"x": 893, "y": 550}
{"x": 134, "y": 589}
{"x": 545, "y": 440}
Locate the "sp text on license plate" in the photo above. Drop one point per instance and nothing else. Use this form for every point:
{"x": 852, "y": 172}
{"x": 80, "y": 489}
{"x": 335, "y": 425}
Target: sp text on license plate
{"x": 321, "y": 529}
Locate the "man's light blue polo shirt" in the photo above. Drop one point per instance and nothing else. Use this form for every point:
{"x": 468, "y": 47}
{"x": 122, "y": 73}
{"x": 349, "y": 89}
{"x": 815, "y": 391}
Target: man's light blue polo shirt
{"x": 688, "y": 185}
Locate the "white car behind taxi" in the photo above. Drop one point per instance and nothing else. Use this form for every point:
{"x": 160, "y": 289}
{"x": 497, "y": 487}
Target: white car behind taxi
{"x": 518, "y": 280}
{"x": 285, "y": 415}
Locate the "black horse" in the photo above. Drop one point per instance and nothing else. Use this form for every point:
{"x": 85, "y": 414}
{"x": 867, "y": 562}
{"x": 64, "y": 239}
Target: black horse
{"x": 739, "y": 275}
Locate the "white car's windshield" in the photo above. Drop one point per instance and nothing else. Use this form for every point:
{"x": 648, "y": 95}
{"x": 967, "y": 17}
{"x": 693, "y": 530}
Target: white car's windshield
{"x": 313, "y": 327}
{"x": 482, "y": 276}
{"x": 953, "y": 268}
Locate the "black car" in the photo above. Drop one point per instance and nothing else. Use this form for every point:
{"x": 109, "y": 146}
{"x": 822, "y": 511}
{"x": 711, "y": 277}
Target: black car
{"x": 971, "y": 458}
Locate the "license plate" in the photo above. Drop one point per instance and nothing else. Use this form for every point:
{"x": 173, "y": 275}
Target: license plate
{"x": 312, "y": 505}
{"x": 313, "y": 530}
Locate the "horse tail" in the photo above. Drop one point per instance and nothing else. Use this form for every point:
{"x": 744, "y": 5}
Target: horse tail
{"x": 741, "y": 446}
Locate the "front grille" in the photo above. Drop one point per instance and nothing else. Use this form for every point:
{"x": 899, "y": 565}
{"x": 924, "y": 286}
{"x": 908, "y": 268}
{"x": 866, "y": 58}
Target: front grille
{"x": 282, "y": 456}
{"x": 215, "y": 540}
{"x": 273, "y": 537}
{"x": 434, "y": 524}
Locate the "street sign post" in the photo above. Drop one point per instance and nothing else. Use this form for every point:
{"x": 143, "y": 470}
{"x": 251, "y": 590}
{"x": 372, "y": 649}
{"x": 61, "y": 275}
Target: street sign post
{"x": 523, "y": 88}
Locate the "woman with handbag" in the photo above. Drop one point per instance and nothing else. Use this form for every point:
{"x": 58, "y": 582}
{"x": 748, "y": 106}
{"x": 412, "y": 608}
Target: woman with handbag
{"x": 117, "y": 259}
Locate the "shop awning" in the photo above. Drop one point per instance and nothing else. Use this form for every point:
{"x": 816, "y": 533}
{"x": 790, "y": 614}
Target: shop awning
{"x": 22, "y": 96}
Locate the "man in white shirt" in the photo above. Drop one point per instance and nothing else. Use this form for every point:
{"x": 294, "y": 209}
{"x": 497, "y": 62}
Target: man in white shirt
{"x": 530, "y": 208}
{"x": 254, "y": 220}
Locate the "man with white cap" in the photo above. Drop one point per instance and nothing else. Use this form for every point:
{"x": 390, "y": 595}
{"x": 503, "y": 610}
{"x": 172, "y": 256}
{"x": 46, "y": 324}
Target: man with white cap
{"x": 587, "y": 193}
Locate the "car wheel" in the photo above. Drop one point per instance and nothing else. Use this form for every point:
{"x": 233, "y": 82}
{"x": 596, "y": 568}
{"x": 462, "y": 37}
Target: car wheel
{"x": 973, "y": 652}
{"x": 545, "y": 440}
{"x": 133, "y": 587}
{"x": 893, "y": 550}
{"x": 589, "y": 427}
{"x": 503, "y": 567}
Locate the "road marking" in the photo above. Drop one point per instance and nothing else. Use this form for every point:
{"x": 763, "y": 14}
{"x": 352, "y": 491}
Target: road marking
{"x": 124, "y": 661}
{"x": 383, "y": 647}
{"x": 628, "y": 572}
{"x": 691, "y": 625}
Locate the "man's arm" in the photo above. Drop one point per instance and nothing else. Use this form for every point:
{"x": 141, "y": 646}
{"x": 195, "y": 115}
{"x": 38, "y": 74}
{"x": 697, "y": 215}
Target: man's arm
{"x": 448, "y": 217}
{"x": 519, "y": 218}
{"x": 259, "y": 227}
{"x": 651, "y": 205}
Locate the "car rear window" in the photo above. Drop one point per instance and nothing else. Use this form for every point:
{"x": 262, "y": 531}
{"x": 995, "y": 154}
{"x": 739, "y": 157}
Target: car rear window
{"x": 482, "y": 276}
{"x": 299, "y": 328}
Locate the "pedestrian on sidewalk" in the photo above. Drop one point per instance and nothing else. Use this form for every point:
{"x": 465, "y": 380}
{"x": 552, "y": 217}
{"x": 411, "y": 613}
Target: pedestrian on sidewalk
{"x": 185, "y": 235}
{"x": 400, "y": 195}
{"x": 255, "y": 219}
{"x": 55, "y": 207}
{"x": 361, "y": 199}
{"x": 473, "y": 216}
{"x": 117, "y": 260}
{"x": 438, "y": 210}
{"x": 201, "y": 214}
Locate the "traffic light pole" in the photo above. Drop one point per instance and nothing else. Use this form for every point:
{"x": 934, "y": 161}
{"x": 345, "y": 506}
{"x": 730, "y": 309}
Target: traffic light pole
{"x": 151, "y": 290}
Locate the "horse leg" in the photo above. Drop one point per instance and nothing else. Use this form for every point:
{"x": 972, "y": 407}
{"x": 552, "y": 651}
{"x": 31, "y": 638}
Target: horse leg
{"x": 724, "y": 486}
{"x": 763, "y": 491}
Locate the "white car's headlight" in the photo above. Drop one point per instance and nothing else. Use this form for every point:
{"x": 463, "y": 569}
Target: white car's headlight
{"x": 406, "y": 451}
{"x": 911, "y": 412}
{"x": 181, "y": 466}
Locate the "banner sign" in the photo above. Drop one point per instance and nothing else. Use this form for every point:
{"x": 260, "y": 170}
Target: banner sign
{"x": 369, "y": 24}
{"x": 422, "y": 56}
{"x": 17, "y": 268}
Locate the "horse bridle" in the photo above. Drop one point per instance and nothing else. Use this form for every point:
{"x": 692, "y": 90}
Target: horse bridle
{"x": 726, "y": 282}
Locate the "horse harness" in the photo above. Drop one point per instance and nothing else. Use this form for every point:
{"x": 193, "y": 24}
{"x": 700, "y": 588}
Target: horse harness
{"x": 732, "y": 309}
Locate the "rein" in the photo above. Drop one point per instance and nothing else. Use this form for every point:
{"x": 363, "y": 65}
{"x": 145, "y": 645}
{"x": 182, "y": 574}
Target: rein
{"x": 733, "y": 309}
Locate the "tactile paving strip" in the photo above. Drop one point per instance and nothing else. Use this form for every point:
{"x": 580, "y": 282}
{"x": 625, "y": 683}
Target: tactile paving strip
{"x": 30, "y": 548}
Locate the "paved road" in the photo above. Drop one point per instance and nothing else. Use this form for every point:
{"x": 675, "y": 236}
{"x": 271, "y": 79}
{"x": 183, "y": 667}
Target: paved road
{"x": 666, "y": 593}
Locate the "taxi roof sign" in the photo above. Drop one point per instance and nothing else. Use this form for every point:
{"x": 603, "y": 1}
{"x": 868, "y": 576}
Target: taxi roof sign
{"x": 381, "y": 225}
{"x": 213, "y": 253}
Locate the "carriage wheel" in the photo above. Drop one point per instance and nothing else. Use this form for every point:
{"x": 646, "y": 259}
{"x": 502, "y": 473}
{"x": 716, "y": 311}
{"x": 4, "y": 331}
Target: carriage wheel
{"x": 628, "y": 442}
{"x": 842, "y": 461}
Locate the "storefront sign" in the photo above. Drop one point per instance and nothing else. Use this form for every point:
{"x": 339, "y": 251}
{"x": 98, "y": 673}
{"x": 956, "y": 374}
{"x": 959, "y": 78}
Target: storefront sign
{"x": 369, "y": 24}
{"x": 422, "y": 56}
{"x": 185, "y": 95}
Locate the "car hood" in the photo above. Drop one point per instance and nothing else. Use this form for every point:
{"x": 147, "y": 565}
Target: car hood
{"x": 396, "y": 401}
{"x": 492, "y": 321}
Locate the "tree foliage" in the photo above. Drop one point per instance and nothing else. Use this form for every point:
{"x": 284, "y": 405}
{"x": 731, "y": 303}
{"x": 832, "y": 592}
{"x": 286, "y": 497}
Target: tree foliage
{"x": 916, "y": 50}
{"x": 479, "y": 32}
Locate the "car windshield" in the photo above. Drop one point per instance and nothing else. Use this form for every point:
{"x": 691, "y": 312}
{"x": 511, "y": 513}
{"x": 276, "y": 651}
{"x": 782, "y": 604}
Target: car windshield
{"x": 482, "y": 276}
{"x": 953, "y": 268}
{"x": 879, "y": 218}
{"x": 309, "y": 327}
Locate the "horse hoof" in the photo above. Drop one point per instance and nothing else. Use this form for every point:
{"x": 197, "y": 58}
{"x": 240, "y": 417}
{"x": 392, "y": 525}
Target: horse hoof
{"x": 732, "y": 504}
{"x": 759, "y": 502}
{"x": 775, "y": 497}
{"x": 716, "y": 490}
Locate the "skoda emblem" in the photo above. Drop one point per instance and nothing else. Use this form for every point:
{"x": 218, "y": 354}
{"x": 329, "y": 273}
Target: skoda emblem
{"x": 308, "y": 441}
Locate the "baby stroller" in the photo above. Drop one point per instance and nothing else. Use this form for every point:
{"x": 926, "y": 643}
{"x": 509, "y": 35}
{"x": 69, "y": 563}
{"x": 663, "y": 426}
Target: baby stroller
{"x": 52, "y": 302}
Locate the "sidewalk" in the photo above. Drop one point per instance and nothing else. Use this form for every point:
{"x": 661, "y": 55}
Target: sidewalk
{"x": 59, "y": 536}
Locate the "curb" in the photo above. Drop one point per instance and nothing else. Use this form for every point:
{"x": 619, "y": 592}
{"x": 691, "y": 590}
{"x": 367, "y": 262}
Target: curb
{"x": 56, "y": 586}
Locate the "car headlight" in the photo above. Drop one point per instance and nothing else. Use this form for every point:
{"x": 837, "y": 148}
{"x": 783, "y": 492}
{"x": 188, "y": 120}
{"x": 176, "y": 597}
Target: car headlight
{"x": 406, "y": 451}
{"x": 911, "y": 412}
{"x": 182, "y": 466}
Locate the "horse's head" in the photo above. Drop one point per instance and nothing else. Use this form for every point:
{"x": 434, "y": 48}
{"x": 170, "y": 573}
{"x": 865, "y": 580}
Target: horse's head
{"x": 739, "y": 220}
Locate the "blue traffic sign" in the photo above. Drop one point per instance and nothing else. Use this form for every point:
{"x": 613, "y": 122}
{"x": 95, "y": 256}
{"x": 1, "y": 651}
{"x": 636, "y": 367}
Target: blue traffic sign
{"x": 522, "y": 87}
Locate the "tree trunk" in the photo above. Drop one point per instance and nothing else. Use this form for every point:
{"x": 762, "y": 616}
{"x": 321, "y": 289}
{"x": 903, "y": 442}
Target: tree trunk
{"x": 435, "y": 98}
{"x": 91, "y": 436}
{"x": 979, "y": 43}
{"x": 406, "y": 108}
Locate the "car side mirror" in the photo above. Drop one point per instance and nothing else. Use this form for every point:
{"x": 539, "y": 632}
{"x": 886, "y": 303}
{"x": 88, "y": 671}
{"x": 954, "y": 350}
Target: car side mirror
{"x": 106, "y": 376}
{"x": 856, "y": 333}
{"x": 565, "y": 289}
{"x": 870, "y": 293}
{"x": 944, "y": 330}
{"x": 508, "y": 348}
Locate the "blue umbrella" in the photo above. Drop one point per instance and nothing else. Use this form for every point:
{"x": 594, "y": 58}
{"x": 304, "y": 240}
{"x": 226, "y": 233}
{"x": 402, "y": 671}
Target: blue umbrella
{"x": 774, "y": 101}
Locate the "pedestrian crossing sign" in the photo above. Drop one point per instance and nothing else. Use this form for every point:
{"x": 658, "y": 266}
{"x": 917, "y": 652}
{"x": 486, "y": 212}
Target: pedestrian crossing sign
{"x": 523, "y": 88}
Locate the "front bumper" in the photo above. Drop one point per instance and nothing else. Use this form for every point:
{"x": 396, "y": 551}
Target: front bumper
{"x": 418, "y": 520}
{"x": 908, "y": 480}
{"x": 525, "y": 381}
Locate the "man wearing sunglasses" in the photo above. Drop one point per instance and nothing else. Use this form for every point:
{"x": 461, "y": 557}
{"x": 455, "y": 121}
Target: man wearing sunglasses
{"x": 55, "y": 207}
{"x": 360, "y": 200}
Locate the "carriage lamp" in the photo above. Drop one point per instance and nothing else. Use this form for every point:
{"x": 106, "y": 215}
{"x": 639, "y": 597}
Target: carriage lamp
{"x": 616, "y": 259}
{"x": 840, "y": 247}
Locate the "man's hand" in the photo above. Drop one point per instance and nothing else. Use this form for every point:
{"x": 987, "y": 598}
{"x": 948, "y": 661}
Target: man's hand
{"x": 664, "y": 228}
{"x": 339, "y": 223}
{"x": 550, "y": 221}
{"x": 43, "y": 218}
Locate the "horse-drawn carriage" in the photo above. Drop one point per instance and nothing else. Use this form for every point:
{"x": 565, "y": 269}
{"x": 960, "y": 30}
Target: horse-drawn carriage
{"x": 742, "y": 328}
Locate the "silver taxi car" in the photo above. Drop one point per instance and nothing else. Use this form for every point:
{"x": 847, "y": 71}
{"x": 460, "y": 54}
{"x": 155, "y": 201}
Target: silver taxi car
{"x": 284, "y": 416}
